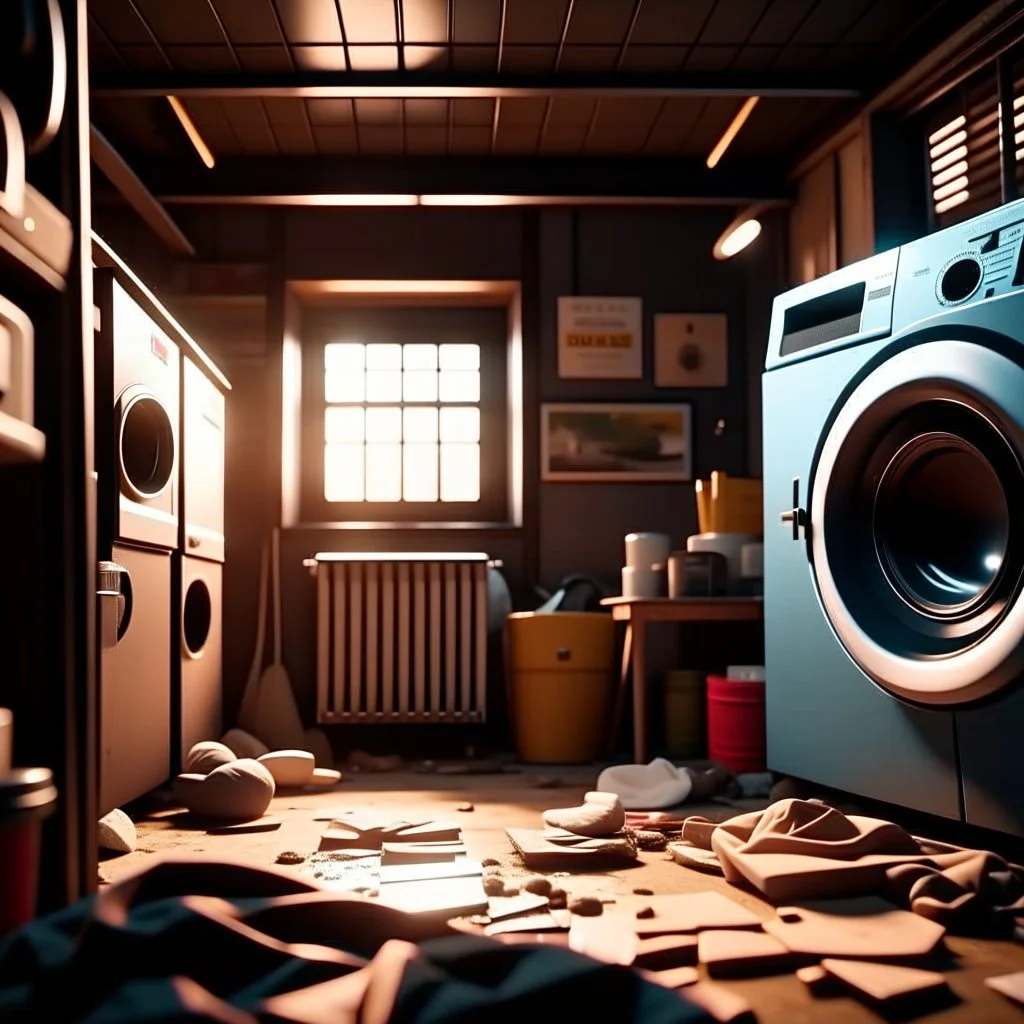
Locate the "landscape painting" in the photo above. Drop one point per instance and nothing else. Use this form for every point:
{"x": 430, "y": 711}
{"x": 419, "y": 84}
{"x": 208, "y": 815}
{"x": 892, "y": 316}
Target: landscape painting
{"x": 613, "y": 442}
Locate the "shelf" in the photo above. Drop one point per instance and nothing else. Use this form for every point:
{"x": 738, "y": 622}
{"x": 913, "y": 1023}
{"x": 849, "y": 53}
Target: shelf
{"x": 19, "y": 442}
{"x": 14, "y": 254}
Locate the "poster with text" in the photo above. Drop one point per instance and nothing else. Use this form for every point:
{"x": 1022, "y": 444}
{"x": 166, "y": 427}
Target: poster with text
{"x": 600, "y": 338}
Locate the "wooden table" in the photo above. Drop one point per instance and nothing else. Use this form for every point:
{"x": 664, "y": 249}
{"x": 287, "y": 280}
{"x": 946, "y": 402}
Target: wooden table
{"x": 636, "y": 613}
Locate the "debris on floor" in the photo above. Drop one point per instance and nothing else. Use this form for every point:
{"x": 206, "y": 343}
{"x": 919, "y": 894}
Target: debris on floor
{"x": 116, "y": 833}
{"x": 361, "y": 761}
{"x": 245, "y": 827}
{"x": 546, "y": 782}
{"x": 600, "y": 815}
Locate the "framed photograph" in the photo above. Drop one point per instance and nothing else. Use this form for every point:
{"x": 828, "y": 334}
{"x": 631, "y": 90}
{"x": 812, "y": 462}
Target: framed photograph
{"x": 600, "y": 338}
{"x": 691, "y": 350}
{"x": 614, "y": 442}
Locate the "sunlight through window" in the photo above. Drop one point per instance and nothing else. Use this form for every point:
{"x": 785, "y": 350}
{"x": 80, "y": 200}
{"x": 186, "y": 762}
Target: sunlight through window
{"x": 402, "y": 422}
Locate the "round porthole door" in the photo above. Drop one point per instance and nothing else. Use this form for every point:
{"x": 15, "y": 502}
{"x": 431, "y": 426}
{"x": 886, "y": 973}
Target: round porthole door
{"x": 146, "y": 445}
{"x": 196, "y": 618}
{"x": 917, "y": 523}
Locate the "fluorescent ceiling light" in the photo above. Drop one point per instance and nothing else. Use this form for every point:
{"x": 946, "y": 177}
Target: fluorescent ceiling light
{"x": 354, "y": 199}
{"x": 732, "y": 131}
{"x": 318, "y": 199}
{"x": 738, "y": 235}
{"x": 191, "y": 131}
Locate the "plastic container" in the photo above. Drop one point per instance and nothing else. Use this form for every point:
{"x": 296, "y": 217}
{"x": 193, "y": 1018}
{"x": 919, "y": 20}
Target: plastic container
{"x": 561, "y": 683}
{"x": 736, "y": 724}
{"x": 27, "y": 796}
{"x": 685, "y": 714}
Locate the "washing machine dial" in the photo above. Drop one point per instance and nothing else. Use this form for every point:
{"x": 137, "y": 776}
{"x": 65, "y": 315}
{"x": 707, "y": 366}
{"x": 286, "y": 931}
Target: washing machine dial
{"x": 959, "y": 279}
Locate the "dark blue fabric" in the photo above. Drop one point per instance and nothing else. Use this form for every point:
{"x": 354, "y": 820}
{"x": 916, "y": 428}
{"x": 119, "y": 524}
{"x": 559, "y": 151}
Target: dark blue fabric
{"x": 143, "y": 952}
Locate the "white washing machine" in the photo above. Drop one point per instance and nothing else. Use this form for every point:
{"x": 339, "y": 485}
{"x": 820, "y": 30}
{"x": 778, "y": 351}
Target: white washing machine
{"x": 135, "y": 677}
{"x": 198, "y": 567}
{"x": 138, "y": 378}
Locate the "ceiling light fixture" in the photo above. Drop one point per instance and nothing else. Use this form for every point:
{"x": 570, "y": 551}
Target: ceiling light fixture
{"x": 191, "y": 131}
{"x": 739, "y": 234}
{"x": 732, "y": 131}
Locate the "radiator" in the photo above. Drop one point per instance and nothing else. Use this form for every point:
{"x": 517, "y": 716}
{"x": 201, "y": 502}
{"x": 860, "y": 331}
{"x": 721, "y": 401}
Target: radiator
{"x": 401, "y": 637}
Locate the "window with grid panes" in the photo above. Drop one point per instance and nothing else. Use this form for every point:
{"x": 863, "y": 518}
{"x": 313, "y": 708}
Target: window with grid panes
{"x": 410, "y": 429}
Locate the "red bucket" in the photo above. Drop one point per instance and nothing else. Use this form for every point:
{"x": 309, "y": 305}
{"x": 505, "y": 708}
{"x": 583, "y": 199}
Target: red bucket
{"x": 736, "y": 729}
{"x": 27, "y": 796}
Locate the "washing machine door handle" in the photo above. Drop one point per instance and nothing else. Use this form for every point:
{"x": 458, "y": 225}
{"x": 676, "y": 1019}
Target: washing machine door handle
{"x": 114, "y": 589}
{"x": 795, "y": 515}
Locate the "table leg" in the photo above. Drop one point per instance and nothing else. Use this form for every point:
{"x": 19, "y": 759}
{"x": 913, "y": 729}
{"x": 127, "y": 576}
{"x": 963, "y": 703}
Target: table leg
{"x": 640, "y": 748}
{"x": 620, "y": 696}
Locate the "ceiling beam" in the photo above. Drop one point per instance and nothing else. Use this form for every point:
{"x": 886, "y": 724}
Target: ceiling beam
{"x": 328, "y": 180}
{"x": 135, "y": 193}
{"x": 425, "y": 84}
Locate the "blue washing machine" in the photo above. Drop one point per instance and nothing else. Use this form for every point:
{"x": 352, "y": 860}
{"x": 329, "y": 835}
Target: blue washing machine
{"x": 894, "y": 526}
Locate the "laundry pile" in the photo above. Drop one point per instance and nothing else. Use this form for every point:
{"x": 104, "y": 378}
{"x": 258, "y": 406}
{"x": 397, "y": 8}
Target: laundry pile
{"x": 805, "y": 850}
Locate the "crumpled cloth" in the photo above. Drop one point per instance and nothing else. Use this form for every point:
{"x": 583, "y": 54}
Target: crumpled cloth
{"x": 192, "y": 940}
{"x": 796, "y": 850}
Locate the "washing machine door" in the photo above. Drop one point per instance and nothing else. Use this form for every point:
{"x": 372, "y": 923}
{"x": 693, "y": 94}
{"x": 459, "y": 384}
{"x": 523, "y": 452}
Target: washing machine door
{"x": 916, "y": 520}
{"x": 146, "y": 445}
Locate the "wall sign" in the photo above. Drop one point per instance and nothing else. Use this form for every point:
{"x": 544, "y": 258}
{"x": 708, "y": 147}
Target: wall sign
{"x": 691, "y": 350}
{"x": 600, "y": 338}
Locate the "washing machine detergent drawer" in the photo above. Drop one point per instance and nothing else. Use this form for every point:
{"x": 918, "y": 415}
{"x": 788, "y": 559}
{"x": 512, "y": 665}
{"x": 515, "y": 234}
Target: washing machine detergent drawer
{"x": 202, "y": 496}
{"x": 826, "y": 720}
{"x": 135, "y": 682}
{"x": 200, "y": 650}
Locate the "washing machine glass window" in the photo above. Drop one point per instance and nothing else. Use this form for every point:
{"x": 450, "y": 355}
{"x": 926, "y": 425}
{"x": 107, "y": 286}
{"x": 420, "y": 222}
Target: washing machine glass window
{"x": 917, "y": 527}
{"x": 941, "y": 520}
{"x": 196, "y": 618}
{"x": 147, "y": 447}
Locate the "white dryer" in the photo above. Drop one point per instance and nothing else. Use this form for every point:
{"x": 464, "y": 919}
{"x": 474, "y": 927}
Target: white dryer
{"x": 198, "y": 567}
{"x": 146, "y": 383}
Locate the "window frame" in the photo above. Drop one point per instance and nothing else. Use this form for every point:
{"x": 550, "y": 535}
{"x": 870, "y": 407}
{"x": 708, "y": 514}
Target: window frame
{"x": 404, "y": 325}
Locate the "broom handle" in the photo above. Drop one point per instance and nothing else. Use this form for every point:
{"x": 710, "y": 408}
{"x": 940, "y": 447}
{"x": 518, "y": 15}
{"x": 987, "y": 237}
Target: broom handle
{"x": 246, "y": 708}
{"x": 276, "y": 559}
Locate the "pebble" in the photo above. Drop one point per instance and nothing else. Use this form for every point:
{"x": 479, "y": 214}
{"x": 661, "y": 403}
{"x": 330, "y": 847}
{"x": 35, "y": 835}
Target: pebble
{"x": 465, "y": 807}
{"x": 481, "y": 920}
{"x": 537, "y": 884}
{"x": 511, "y": 889}
{"x": 645, "y": 912}
{"x": 290, "y": 857}
{"x": 494, "y": 885}
{"x": 557, "y": 899}
{"x": 646, "y": 840}
{"x": 586, "y": 906}
{"x": 490, "y": 862}
{"x": 643, "y": 892}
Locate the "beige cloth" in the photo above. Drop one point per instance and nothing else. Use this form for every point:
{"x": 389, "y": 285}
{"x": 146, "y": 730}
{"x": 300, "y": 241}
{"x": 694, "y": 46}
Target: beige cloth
{"x": 798, "y": 850}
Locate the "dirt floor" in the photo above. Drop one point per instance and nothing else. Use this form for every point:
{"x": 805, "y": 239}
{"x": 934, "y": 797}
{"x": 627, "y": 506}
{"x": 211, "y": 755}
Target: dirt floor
{"x": 512, "y": 799}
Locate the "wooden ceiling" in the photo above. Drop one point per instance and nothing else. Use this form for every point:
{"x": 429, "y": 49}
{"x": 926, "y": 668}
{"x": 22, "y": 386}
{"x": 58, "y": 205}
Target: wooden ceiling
{"x": 659, "y": 79}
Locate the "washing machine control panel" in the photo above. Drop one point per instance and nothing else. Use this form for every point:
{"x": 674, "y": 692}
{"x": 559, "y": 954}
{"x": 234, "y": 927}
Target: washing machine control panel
{"x": 844, "y": 308}
{"x": 979, "y": 259}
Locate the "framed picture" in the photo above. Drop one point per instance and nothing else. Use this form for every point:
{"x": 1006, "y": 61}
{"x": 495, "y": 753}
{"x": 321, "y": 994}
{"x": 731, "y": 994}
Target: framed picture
{"x": 616, "y": 442}
{"x": 600, "y": 338}
{"x": 691, "y": 350}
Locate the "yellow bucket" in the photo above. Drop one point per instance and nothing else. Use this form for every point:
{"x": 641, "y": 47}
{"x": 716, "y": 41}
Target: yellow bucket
{"x": 560, "y": 671}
